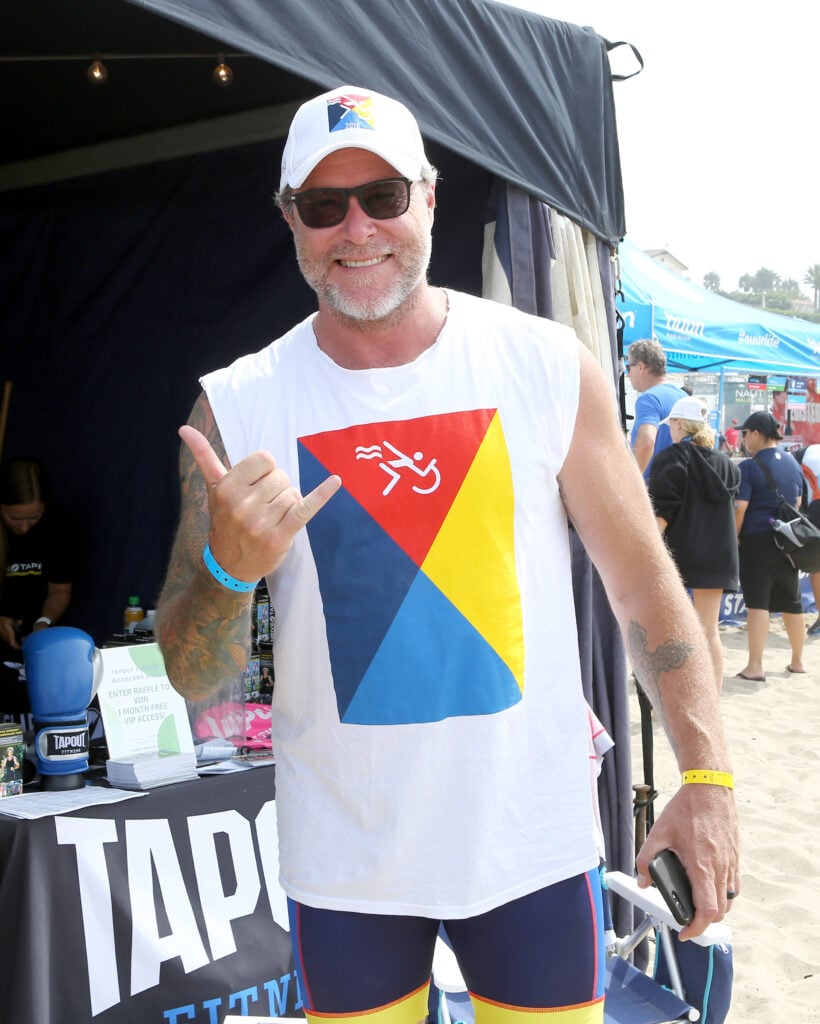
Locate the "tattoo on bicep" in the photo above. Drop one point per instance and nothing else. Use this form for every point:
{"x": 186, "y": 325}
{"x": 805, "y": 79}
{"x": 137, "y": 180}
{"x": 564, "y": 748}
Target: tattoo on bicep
{"x": 649, "y": 665}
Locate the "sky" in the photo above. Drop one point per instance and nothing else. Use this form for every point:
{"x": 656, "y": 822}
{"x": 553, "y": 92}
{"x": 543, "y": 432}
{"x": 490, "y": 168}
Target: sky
{"x": 717, "y": 133}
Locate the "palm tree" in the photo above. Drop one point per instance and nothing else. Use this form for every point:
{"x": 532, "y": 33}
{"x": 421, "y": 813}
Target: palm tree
{"x": 711, "y": 281}
{"x": 812, "y": 278}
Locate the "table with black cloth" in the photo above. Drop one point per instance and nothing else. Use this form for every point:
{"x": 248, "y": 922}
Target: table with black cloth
{"x": 161, "y": 909}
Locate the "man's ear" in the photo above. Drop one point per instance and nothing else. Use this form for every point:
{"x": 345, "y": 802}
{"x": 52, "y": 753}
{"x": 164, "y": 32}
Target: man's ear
{"x": 288, "y": 216}
{"x": 431, "y": 200}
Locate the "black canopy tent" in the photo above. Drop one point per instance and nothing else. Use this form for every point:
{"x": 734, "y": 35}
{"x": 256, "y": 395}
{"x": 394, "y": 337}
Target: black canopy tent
{"x": 140, "y": 247}
{"x": 525, "y": 97}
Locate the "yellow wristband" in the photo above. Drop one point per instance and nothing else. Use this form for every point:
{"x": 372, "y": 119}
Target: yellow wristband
{"x": 708, "y": 778}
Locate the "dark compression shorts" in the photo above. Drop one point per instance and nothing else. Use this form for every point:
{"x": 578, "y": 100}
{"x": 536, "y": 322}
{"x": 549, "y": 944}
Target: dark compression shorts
{"x": 544, "y": 951}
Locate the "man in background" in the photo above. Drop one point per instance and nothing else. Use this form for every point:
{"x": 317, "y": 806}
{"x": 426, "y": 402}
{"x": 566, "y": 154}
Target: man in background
{"x": 646, "y": 366}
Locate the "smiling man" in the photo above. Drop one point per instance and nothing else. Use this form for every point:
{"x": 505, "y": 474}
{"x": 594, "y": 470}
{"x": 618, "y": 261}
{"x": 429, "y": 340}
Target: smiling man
{"x": 429, "y": 725}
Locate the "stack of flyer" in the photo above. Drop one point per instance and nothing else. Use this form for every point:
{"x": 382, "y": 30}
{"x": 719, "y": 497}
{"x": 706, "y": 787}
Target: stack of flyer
{"x": 146, "y": 771}
{"x": 147, "y": 731}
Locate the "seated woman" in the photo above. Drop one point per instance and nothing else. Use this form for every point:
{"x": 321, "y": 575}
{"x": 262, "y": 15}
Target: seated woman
{"x": 37, "y": 567}
{"x": 693, "y": 487}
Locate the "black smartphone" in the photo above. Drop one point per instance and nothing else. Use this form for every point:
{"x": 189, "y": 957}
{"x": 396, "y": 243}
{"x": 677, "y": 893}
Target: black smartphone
{"x": 670, "y": 877}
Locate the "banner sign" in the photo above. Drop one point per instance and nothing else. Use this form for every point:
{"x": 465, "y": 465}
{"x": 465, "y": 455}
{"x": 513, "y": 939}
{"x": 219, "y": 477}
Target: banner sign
{"x": 160, "y": 910}
{"x": 733, "y": 607}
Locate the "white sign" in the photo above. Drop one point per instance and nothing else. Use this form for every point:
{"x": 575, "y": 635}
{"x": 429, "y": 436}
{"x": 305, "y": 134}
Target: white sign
{"x": 141, "y": 712}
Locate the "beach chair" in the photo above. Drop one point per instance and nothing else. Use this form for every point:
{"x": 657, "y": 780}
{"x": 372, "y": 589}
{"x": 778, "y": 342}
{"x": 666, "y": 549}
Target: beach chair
{"x": 632, "y": 996}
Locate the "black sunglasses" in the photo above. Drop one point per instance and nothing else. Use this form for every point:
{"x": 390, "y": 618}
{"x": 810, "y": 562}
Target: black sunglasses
{"x": 327, "y": 207}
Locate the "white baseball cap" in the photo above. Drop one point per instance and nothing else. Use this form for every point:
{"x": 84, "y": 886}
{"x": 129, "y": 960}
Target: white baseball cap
{"x": 349, "y": 117}
{"x": 687, "y": 408}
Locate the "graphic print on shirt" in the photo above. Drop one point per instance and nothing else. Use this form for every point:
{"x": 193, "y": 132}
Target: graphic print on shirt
{"x": 416, "y": 567}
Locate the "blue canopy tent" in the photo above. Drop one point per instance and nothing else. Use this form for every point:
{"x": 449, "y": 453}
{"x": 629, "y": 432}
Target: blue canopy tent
{"x": 703, "y": 331}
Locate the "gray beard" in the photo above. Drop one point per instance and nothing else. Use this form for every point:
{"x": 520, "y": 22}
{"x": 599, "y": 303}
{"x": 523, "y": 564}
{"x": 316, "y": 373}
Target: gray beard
{"x": 365, "y": 310}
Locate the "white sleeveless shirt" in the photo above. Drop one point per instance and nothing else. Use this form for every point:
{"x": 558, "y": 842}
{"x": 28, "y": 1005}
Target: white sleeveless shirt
{"x": 430, "y": 730}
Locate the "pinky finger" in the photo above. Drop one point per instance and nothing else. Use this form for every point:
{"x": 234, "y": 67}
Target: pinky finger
{"x": 303, "y": 511}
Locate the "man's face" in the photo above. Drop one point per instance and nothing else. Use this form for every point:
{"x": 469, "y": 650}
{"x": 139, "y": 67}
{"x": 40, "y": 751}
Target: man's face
{"x": 20, "y": 518}
{"x": 364, "y": 269}
{"x": 752, "y": 441}
{"x": 636, "y": 372}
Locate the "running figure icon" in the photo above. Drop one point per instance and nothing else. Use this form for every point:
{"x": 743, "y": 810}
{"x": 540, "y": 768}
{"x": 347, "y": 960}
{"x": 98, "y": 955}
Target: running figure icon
{"x": 393, "y": 467}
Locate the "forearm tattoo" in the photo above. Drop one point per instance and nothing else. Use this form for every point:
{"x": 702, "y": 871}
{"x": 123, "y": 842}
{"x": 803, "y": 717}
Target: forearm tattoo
{"x": 205, "y": 636}
{"x": 648, "y": 665}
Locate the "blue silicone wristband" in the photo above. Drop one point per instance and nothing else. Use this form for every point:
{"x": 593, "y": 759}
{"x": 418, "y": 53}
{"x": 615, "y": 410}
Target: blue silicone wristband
{"x": 219, "y": 574}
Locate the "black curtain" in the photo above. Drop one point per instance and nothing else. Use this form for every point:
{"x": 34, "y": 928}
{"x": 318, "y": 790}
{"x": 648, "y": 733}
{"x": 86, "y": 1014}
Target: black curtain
{"x": 117, "y": 292}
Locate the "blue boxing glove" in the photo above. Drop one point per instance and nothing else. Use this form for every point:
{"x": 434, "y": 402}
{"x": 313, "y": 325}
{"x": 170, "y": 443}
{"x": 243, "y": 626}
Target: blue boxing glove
{"x": 63, "y": 672}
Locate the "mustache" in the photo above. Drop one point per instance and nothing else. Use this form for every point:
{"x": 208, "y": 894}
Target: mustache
{"x": 362, "y": 252}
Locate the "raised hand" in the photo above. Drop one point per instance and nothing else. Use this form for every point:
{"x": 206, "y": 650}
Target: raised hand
{"x": 254, "y": 511}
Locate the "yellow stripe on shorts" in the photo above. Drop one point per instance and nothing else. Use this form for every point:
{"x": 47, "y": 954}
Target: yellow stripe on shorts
{"x": 410, "y": 1009}
{"x": 488, "y": 1012}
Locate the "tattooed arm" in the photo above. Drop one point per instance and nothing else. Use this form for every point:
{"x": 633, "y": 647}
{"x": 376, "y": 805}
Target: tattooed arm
{"x": 607, "y": 501}
{"x": 249, "y": 515}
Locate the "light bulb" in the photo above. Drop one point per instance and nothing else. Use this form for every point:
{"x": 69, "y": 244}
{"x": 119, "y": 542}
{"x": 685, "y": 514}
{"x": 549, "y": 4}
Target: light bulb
{"x": 223, "y": 75}
{"x": 97, "y": 72}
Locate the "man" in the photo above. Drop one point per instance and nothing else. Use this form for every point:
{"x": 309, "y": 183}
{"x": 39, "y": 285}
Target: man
{"x": 733, "y": 437}
{"x": 430, "y": 730}
{"x": 768, "y": 580}
{"x": 646, "y": 366}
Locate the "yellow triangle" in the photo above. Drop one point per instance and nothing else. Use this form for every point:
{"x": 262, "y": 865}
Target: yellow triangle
{"x": 472, "y": 560}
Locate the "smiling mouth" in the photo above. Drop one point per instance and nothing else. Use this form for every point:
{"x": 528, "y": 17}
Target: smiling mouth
{"x": 355, "y": 264}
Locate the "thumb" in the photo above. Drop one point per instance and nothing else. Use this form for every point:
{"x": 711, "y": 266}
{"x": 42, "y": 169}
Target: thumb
{"x": 204, "y": 456}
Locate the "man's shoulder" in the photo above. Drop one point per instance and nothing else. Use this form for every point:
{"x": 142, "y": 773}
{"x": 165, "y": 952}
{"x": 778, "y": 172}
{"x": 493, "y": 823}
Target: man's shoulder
{"x": 263, "y": 362}
{"x": 664, "y": 392}
{"x": 656, "y": 402}
{"x": 493, "y": 312}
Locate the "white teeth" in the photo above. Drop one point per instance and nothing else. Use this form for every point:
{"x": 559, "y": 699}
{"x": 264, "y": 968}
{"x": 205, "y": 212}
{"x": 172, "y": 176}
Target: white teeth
{"x": 363, "y": 263}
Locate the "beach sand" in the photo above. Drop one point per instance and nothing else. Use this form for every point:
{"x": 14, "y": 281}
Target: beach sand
{"x": 773, "y": 729}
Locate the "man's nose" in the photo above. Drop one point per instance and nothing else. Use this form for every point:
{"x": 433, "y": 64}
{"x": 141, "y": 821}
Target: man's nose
{"x": 358, "y": 223}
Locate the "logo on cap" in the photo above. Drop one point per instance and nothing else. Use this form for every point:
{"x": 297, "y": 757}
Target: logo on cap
{"x": 350, "y": 110}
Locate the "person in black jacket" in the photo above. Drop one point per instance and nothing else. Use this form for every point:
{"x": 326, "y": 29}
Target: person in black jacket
{"x": 693, "y": 486}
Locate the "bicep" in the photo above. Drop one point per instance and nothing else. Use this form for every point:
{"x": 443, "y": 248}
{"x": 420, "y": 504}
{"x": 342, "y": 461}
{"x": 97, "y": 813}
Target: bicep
{"x": 645, "y": 436}
{"x": 604, "y": 492}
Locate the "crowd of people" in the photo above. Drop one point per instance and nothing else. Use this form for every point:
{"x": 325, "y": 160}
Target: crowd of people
{"x": 714, "y": 501}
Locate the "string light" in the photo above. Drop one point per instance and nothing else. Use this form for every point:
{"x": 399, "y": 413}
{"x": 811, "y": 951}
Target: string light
{"x": 223, "y": 75}
{"x": 97, "y": 72}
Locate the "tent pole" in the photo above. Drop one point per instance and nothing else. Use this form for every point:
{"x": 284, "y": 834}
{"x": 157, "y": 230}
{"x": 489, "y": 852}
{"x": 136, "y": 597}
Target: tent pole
{"x": 720, "y": 429}
{"x": 4, "y": 412}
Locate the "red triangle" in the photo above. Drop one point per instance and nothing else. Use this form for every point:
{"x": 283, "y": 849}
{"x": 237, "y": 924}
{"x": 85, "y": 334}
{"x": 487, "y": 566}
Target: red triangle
{"x": 405, "y": 473}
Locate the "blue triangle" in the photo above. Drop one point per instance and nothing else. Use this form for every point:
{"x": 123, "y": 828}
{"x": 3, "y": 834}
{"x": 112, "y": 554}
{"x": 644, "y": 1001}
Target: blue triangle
{"x": 351, "y": 120}
{"x": 347, "y": 543}
{"x": 432, "y": 665}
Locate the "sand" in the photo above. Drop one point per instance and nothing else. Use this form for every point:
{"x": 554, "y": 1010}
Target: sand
{"x": 773, "y": 729}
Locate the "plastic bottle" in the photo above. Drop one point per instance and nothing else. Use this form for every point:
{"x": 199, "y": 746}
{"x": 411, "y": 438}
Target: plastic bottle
{"x": 786, "y": 530}
{"x": 132, "y": 614}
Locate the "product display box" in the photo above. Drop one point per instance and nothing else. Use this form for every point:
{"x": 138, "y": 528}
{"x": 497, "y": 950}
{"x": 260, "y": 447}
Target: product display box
{"x": 12, "y": 753}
